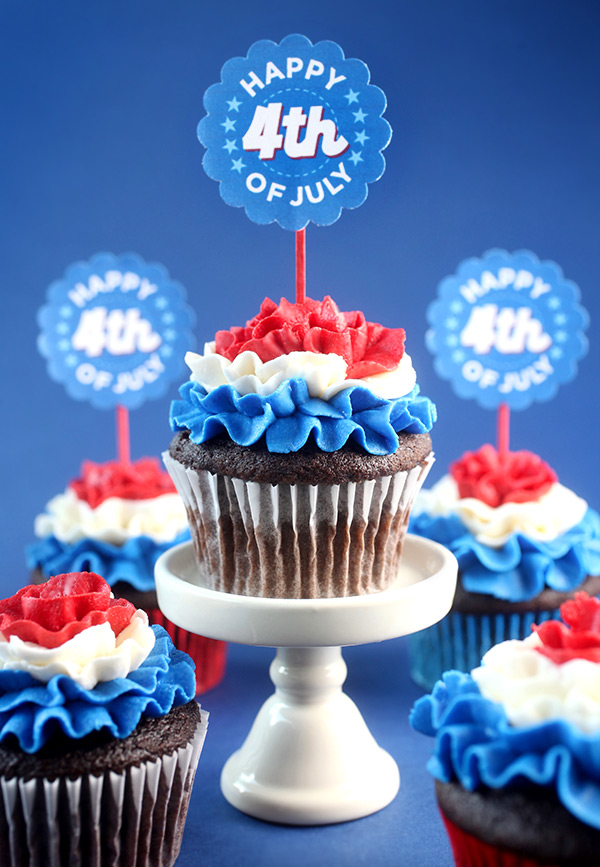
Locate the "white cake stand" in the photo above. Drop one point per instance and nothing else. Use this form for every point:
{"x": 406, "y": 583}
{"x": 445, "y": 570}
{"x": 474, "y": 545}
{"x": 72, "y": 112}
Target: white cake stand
{"x": 309, "y": 758}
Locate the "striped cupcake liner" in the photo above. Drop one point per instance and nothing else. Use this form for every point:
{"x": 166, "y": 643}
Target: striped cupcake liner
{"x": 297, "y": 541}
{"x": 130, "y": 819}
{"x": 460, "y": 640}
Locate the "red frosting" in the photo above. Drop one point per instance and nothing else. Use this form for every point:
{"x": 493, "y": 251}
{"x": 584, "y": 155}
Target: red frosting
{"x": 316, "y": 326}
{"x": 140, "y": 480}
{"x": 579, "y": 638}
{"x": 51, "y": 613}
{"x": 513, "y": 477}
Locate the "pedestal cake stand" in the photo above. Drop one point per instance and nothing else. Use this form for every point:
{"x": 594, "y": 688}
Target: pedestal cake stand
{"x": 309, "y": 758}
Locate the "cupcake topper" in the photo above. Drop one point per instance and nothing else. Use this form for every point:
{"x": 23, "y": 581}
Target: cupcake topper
{"x": 294, "y": 133}
{"x": 114, "y": 331}
{"x": 507, "y": 330}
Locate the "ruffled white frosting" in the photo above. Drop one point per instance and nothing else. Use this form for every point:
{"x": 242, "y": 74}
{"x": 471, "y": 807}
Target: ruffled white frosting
{"x": 553, "y": 514}
{"x": 325, "y": 374}
{"x": 114, "y": 521}
{"x": 90, "y": 657}
{"x": 533, "y": 689}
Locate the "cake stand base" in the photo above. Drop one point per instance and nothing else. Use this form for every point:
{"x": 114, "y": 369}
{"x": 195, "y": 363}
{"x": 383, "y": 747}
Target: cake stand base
{"x": 309, "y": 758}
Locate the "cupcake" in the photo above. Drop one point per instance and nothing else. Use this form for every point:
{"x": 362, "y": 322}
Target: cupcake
{"x": 517, "y": 747}
{"x": 524, "y": 543}
{"x": 300, "y": 442}
{"x": 116, "y": 520}
{"x": 99, "y": 732}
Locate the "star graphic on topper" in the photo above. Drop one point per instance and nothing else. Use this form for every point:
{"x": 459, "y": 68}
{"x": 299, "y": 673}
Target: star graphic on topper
{"x": 66, "y": 311}
{"x": 458, "y": 355}
{"x": 71, "y": 360}
{"x": 62, "y": 328}
{"x": 561, "y": 336}
{"x": 355, "y": 157}
{"x": 168, "y": 318}
{"x": 234, "y": 104}
{"x": 560, "y": 319}
{"x": 554, "y": 303}
{"x": 64, "y": 345}
{"x": 228, "y": 124}
{"x": 170, "y": 334}
{"x": 352, "y": 96}
{"x": 451, "y": 322}
{"x": 238, "y": 165}
{"x": 161, "y": 302}
{"x": 361, "y": 137}
{"x": 165, "y": 351}
{"x": 359, "y": 116}
{"x": 452, "y": 340}
{"x": 230, "y": 146}
{"x": 556, "y": 352}
{"x": 456, "y": 307}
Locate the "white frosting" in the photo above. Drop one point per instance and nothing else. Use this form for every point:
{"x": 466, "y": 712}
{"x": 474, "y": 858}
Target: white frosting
{"x": 114, "y": 521}
{"x": 553, "y": 514}
{"x": 533, "y": 689}
{"x": 325, "y": 374}
{"x": 90, "y": 657}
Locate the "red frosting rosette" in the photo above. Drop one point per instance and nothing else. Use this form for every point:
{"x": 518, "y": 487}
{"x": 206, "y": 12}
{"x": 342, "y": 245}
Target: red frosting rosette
{"x": 316, "y": 326}
{"x": 139, "y": 480}
{"x": 494, "y": 478}
{"x": 578, "y": 637}
{"x": 51, "y": 613}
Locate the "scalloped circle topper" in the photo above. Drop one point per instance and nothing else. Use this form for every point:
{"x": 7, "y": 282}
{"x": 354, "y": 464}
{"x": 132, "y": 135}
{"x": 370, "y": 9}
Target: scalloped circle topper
{"x": 507, "y": 328}
{"x": 115, "y": 330}
{"x": 294, "y": 132}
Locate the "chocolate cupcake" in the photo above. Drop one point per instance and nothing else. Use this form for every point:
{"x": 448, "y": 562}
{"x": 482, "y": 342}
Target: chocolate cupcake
{"x": 517, "y": 747}
{"x": 301, "y": 442}
{"x": 524, "y": 544}
{"x": 116, "y": 520}
{"x": 99, "y": 733}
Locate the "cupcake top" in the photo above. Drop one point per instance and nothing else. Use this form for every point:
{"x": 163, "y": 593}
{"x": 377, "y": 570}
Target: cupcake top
{"x": 512, "y": 526}
{"x": 74, "y": 660}
{"x": 115, "y": 519}
{"x": 529, "y": 716}
{"x": 301, "y": 371}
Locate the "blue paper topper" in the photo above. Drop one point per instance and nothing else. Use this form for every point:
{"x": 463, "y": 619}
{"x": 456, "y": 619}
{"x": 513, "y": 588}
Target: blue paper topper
{"x": 507, "y": 328}
{"x": 294, "y": 132}
{"x": 115, "y": 330}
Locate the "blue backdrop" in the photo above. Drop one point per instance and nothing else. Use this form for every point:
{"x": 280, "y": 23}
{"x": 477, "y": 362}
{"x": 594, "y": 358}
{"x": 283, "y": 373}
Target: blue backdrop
{"x": 496, "y": 142}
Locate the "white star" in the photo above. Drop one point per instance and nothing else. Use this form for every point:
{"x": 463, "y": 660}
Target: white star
{"x": 359, "y": 116}
{"x": 234, "y": 104}
{"x": 170, "y": 334}
{"x": 64, "y": 345}
{"x": 355, "y": 157}
{"x": 352, "y": 96}
{"x": 452, "y": 340}
{"x": 560, "y": 319}
{"x": 168, "y": 318}
{"x": 66, "y": 311}
{"x": 556, "y": 352}
{"x": 361, "y": 137}
{"x": 161, "y": 302}
{"x": 238, "y": 165}
{"x": 561, "y": 336}
{"x": 62, "y": 328}
{"x": 229, "y": 124}
{"x": 71, "y": 360}
{"x": 554, "y": 303}
{"x": 451, "y": 322}
{"x": 456, "y": 307}
{"x": 166, "y": 351}
{"x": 230, "y": 146}
{"x": 458, "y": 355}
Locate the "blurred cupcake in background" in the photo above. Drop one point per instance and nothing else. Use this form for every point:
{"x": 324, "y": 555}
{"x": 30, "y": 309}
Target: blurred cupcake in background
{"x": 524, "y": 543}
{"x": 116, "y": 519}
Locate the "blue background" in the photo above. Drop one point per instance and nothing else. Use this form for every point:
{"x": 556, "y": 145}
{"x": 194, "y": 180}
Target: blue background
{"x": 496, "y": 142}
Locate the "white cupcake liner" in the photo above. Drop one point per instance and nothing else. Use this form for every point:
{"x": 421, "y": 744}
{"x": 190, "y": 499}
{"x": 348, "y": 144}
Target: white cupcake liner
{"x": 297, "y": 541}
{"x": 134, "y": 818}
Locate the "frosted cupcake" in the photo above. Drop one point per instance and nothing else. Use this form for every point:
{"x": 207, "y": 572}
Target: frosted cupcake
{"x": 524, "y": 543}
{"x": 117, "y": 519}
{"x": 517, "y": 747}
{"x": 99, "y": 733}
{"x": 301, "y": 443}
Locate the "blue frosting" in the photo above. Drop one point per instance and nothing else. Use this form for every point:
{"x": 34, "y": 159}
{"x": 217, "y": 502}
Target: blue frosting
{"x": 33, "y": 711}
{"x": 132, "y": 562}
{"x": 476, "y": 745}
{"x": 522, "y": 567}
{"x": 289, "y": 416}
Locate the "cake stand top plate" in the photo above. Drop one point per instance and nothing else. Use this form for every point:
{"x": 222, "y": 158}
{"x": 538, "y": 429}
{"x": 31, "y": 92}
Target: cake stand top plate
{"x": 421, "y": 595}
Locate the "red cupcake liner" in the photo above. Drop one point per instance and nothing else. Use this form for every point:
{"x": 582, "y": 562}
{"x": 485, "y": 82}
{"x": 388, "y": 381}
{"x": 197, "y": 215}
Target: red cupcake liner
{"x": 209, "y": 654}
{"x": 469, "y": 851}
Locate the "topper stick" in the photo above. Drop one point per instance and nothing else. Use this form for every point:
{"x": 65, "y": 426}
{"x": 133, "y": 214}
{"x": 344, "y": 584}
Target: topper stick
{"x": 123, "y": 442}
{"x": 301, "y": 266}
{"x": 503, "y": 429}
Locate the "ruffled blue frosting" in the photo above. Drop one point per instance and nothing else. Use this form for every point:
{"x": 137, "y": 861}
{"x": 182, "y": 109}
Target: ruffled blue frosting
{"x": 476, "y": 745}
{"x": 289, "y": 416}
{"x": 522, "y": 567}
{"x": 132, "y": 562}
{"x": 32, "y": 711}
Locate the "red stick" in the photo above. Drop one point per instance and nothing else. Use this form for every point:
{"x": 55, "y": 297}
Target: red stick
{"x": 503, "y": 429}
{"x": 301, "y": 266}
{"x": 123, "y": 443}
